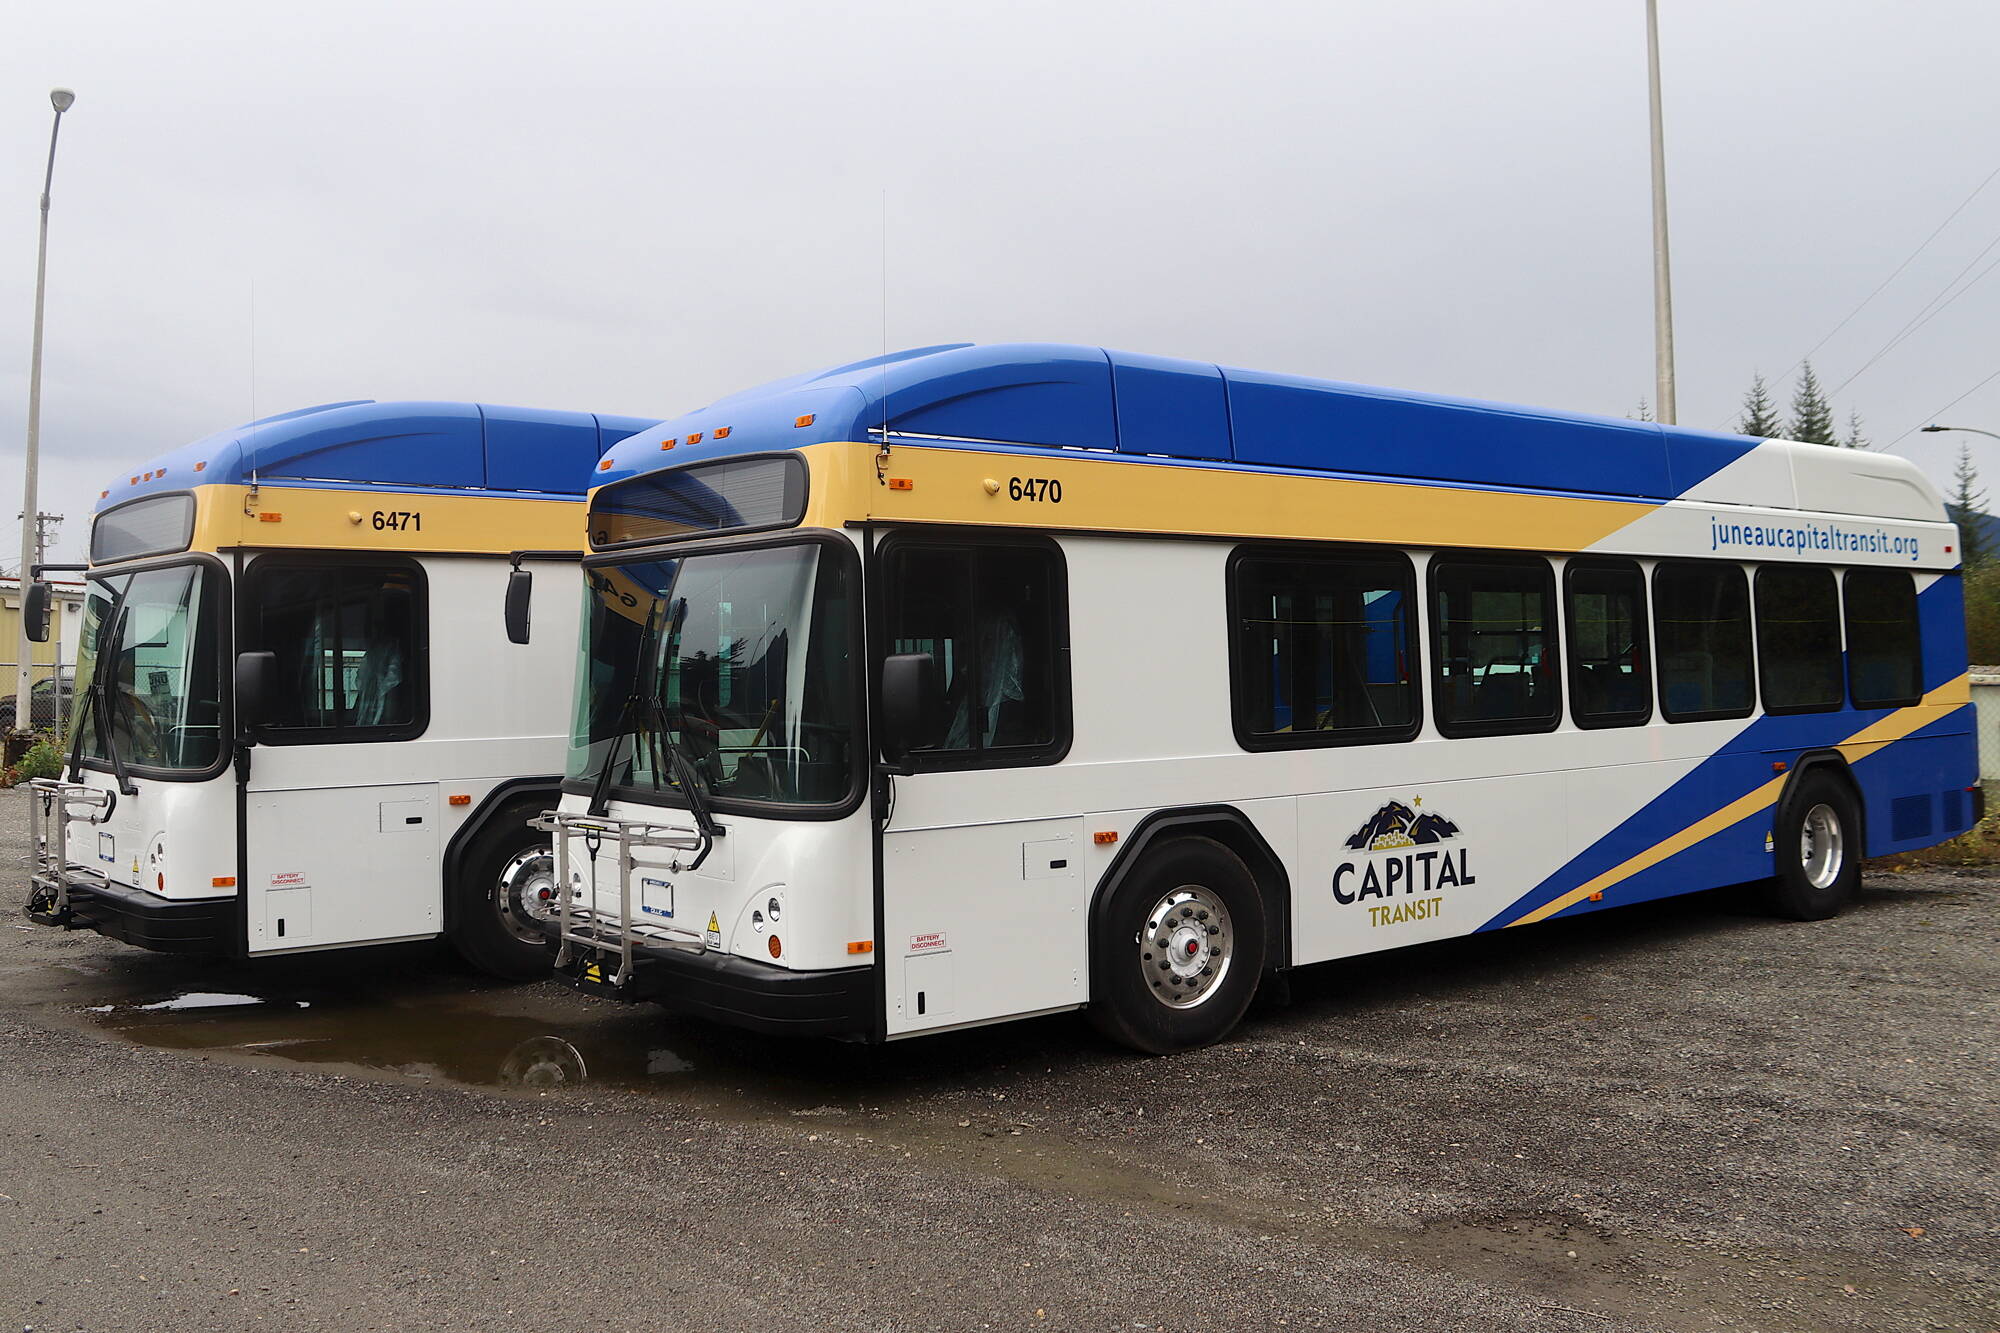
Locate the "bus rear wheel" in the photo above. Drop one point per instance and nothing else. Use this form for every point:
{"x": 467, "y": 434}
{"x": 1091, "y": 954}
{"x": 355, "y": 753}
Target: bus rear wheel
{"x": 504, "y": 898}
{"x": 1180, "y": 949}
{"x": 1818, "y": 845}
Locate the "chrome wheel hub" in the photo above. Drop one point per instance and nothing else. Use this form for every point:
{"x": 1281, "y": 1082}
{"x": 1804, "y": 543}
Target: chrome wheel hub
{"x": 1186, "y": 946}
{"x": 526, "y": 891}
{"x": 1822, "y": 846}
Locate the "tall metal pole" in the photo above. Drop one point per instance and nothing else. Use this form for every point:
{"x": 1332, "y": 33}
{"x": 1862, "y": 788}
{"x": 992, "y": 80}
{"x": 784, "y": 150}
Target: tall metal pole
{"x": 1663, "y": 283}
{"x": 61, "y": 99}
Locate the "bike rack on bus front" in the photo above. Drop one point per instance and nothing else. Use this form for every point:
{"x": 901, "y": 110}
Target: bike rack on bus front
{"x": 49, "y": 803}
{"x": 586, "y": 926}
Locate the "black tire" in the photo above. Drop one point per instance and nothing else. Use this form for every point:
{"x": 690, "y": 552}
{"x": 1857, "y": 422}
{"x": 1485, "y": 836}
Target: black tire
{"x": 1817, "y": 842}
{"x": 491, "y": 929}
{"x": 1153, "y": 998}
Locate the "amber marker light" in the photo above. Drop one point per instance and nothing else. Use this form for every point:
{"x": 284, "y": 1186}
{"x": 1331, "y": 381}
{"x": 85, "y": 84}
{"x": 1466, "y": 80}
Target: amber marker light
{"x": 777, "y": 946}
{"x": 902, "y": 484}
{"x": 1104, "y": 839}
{"x": 695, "y": 438}
{"x": 799, "y": 422}
{"x": 1597, "y": 897}
{"x": 223, "y": 882}
{"x": 722, "y": 432}
{"x": 460, "y": 799}
{"x": 861, "y": 946}
{"x": 104, "y": 495}
{"x": 201, "y": 467}
{"x": 604, "y": 465}
{"x": 270, "y": 518}
{"x": 668, "y": 444}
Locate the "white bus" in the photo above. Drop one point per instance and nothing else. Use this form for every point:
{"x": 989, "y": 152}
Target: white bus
{"x": 979, "y": 682}
{"x": 297, "y": 726}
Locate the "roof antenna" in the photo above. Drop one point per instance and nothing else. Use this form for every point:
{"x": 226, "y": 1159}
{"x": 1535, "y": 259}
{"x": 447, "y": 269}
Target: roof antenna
{"x": 882, "y": 455}
{"x": 250, "y": 496}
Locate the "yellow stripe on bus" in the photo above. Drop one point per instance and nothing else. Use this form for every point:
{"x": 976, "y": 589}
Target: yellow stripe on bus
{"x": 1870, "y": 739}
{"x": 1106, "y": 493}
{"x": 298, "y": 517}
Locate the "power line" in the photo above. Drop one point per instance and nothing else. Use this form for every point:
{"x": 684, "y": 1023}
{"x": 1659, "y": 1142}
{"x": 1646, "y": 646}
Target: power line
{"x": 1930, "y": 310}
{"x": 1933, "y": 416}
{"x": 1894, "y": 274}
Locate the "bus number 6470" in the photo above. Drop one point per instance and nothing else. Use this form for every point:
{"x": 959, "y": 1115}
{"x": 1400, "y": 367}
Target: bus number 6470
{"x": 1034, "y": 488}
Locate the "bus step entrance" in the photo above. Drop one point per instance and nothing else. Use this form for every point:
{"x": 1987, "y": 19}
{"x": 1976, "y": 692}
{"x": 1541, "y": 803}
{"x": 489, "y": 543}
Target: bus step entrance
{"x": 52, "y": 806}
{"x": 596, "y": 947}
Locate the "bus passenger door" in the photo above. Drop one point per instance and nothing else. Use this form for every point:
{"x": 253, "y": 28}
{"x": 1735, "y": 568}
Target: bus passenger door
{"x": 982, "y": 891}
{"x": 342, "y": 845}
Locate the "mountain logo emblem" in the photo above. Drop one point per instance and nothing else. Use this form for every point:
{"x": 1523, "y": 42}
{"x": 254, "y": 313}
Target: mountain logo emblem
{"x": 1397, "y": 825}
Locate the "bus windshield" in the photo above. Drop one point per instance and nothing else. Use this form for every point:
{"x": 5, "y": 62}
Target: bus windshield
{"x": 161, "y": 695}
{"x": 740, "y": 659}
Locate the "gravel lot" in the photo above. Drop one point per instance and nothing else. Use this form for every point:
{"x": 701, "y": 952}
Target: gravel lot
{"x": 1676, "y": 1117}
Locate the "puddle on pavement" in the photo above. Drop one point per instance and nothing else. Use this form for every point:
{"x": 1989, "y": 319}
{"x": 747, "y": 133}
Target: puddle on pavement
{"x": 480, "y": 1036}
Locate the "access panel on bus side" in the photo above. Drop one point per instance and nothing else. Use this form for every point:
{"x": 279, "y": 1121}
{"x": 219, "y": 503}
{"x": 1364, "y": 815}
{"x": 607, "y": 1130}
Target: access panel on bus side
{"x": 342, "y": 865}
{"x": 981, "y": 921}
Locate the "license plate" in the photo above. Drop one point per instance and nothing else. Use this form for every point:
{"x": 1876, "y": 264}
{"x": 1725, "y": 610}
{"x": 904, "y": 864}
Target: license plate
{"x": 656, "y": 898}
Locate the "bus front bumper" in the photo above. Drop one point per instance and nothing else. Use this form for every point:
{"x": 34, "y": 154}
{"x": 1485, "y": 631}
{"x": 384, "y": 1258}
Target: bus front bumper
{"x": 736, "y": 991}
{"x": 165, "y": 925}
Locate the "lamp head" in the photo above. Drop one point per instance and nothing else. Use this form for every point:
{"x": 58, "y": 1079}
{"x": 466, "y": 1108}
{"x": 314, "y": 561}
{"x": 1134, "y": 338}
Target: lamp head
{"x": 62, "y": 99}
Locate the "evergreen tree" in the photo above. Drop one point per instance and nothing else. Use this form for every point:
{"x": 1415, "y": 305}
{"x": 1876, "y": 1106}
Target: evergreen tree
{"x": 1759, "y": 417}
{"x": 1645, "y": 412}
{"x": 1967, "y": 505}
{"x": 1854, "y": 439}
{"x": 1812, "y": 415}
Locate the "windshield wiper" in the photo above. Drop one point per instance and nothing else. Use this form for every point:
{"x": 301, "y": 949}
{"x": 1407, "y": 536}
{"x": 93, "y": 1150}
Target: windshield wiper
{"x": 644, "y": 714}
{"x": 600, "y": 794}
{"x": 97, "y": 702}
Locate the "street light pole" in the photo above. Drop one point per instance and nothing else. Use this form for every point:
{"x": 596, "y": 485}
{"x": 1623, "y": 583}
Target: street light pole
{"x": 61, "y": 99}
{"x": 1968, "y": 430}
{"x": 1663, "y": 298}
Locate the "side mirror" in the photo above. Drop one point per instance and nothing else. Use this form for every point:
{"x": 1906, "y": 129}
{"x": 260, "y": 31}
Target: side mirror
{"x": 911, "y": 702}
{"x": 256, "y": 685}
{"x": 35, "y": 606}
{"x": 520, "y": 588}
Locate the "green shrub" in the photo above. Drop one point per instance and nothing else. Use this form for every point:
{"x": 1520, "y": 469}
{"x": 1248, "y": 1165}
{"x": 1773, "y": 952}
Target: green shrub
{"x": 1982, "y": 612}
{"x": 43, "y": 760}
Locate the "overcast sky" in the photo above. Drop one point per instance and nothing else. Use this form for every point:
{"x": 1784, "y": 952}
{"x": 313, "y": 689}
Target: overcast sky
{"x": 640, "y": 207}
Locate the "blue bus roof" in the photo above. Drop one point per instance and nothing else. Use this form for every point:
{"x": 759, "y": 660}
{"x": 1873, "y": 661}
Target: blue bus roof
{"x": 366, "y": 445}
{"x": 1058, "y": 396}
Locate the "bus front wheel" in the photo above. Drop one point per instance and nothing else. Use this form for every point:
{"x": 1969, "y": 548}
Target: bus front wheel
{"x": 504, "y": 895}
{"x": 1817, "y": 842}
{"x": 1179, "y": 949}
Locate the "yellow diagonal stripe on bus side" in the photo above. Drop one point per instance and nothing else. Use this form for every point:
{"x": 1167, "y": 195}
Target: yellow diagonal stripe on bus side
{"x": 1861, "y": 744}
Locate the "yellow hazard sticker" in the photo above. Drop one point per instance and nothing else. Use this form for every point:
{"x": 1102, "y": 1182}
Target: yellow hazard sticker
{"x": 714, "y": 940}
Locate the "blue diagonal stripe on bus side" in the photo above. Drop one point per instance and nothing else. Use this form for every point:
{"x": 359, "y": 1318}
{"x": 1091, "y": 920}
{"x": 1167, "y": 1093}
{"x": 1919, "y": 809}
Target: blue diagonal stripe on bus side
{"x": 1737, "y": 851}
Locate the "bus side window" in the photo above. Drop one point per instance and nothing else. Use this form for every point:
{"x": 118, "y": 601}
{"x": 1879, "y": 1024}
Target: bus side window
{"x": 1701, "y": 622}
{"x": 991, "y": 615}
{"x": 348, "y": 639}
{"x": 1798, "y": 639}
{"x": 1325, "y": 648}
{"x": 1493, "y": 645}
{"x": 1884, "y": 652}
{"x": 1610, "y": 675}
